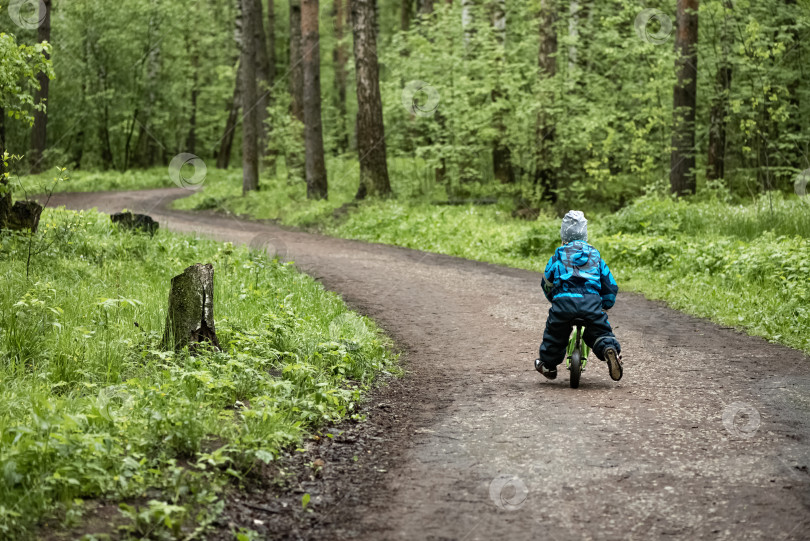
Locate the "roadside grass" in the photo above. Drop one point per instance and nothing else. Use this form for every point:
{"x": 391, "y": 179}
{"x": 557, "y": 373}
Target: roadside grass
{"x": 739, "y": 264}
{"x": 742, "y": 266}
{"x": 656, "y": 245}
{"x": 95, "y": 181}
{"x": 92, "y": 408}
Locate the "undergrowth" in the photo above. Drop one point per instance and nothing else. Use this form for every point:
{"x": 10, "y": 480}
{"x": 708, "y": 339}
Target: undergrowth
{"x": 92, "y": 408}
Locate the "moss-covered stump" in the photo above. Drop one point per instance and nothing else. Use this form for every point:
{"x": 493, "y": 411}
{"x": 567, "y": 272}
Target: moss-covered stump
{"x": 190, "y": 318}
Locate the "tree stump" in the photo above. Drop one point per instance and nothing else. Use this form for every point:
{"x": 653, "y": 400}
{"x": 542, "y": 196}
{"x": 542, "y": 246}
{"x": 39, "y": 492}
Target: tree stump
{"x": 190, "y": 319}
{"x": 24, "y": 215}
{"x": 136, "y": 222}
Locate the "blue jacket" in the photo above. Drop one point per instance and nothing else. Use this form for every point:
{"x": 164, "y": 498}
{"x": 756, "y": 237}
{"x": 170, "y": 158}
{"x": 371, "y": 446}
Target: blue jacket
{"x": 577, "y": 269}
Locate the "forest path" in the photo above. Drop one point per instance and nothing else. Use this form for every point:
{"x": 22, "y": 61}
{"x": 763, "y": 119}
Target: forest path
{"x": 706, "y": 437}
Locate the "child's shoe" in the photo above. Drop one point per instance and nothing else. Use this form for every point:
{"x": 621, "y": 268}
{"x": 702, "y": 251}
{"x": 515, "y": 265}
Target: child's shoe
{"x": 614, "y": 364}
{"x": 550, "y": 373}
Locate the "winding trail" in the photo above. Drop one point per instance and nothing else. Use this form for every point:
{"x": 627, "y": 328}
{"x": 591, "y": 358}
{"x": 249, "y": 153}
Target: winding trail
{"x": 706, "y": 437}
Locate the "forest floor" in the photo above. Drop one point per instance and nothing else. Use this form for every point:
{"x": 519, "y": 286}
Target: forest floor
{"x": 707, "y": 435}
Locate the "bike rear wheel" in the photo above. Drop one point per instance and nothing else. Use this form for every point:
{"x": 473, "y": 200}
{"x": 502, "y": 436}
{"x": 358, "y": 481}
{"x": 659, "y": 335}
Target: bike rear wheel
{"x": 576, "y": 368}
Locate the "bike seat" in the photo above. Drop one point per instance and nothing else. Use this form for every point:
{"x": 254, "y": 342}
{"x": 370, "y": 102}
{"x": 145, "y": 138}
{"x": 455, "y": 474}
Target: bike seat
{"x": 579, "y": 322}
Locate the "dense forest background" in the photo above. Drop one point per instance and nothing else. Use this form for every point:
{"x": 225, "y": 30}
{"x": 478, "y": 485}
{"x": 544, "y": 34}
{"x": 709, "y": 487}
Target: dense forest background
{"x": 544, "y": 100}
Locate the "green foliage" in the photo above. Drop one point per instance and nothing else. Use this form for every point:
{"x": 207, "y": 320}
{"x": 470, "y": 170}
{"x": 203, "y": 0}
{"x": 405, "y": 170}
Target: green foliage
{"x": 18, "y": 71}
{"x": 740, "y": 265}
{"x": 92, "y": 408}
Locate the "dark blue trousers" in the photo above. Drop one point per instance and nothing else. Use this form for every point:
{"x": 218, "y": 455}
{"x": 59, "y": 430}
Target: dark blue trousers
{"x": 598, "y": 334}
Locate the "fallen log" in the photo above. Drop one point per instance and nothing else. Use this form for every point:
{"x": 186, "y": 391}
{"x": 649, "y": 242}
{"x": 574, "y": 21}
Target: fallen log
{"x": 190, "y": 318}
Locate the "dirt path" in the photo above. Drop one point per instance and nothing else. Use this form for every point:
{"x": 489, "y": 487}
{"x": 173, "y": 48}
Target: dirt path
{"x": 706, "y": 437}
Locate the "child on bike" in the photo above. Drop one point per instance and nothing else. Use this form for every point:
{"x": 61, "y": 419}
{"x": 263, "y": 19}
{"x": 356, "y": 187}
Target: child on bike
{"x": 578, "y": 283}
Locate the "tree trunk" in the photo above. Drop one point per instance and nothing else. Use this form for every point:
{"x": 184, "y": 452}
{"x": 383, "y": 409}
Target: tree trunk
{"x": 262, "y": 75}
{"x": 573, "y": 34}
{"x": 313, "y": 129}
{"x": 294, "y": 158}
{"x": 271, "y": 156}
{"x": 339, "y": 57}
{"x": 716, "y": 158}
{"x": 370, "y": 130}
{"x": 545, "y": 173}
{"x": 40, "y": 128}
{"x": 271, "y": 41}
{"x": 406, "y": 9}
{"x": 5, "y": 189}
{"x": 250, "y": 121}
{"x": 190, "y": 317}
{"x": 682, "y": 161}
{"x": 226, "y": 143}
{"x": 501, "y": 155}
{"x": 191, "y": 139}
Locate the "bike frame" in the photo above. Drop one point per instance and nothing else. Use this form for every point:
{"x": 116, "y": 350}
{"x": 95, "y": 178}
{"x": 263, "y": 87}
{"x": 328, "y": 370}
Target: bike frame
{"x": 576, "y": 342}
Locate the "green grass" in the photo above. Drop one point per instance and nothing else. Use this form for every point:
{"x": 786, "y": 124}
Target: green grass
{"x": 95, "y": 181}
{"x": 91, "y": 406}
{"x": 741, "y": 264}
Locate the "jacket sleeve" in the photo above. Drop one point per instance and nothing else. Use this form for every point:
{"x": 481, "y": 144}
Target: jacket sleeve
{"x": 548, "y": 279}
{"x": 609, "y": 288}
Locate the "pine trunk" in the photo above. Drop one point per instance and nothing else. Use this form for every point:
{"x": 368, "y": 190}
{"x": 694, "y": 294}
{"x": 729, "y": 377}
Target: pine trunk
{"x": 315, "y": 165}
{"x": 682, "y": 161}
{"x": 40, "y": 128}
{"x": 370, "y": 130}
{"x": 250, "y": 123}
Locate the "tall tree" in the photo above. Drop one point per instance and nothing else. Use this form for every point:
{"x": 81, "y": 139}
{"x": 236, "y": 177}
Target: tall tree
{"x": 313, "y": 129}
{"x": 271, "y": 42}
{"x": 405, "y": 11}
{"x": 682, "y": 161}
{"x": 370, "y": 129}
{"x": 339, "y": 57}
{"x": 294, "y": 159}
{"x": 545, "y": 173}
{"x": 39, "y": 132}
{"x": 5, "y": 190}
{"x": 270, "y": 156}
{"x": 716, "y": 155}
{"x": 262, "y": 74}
{"x": 501, "y": 155}
{"x": 250, "y": 120}
{"x": 226, "y": 143}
